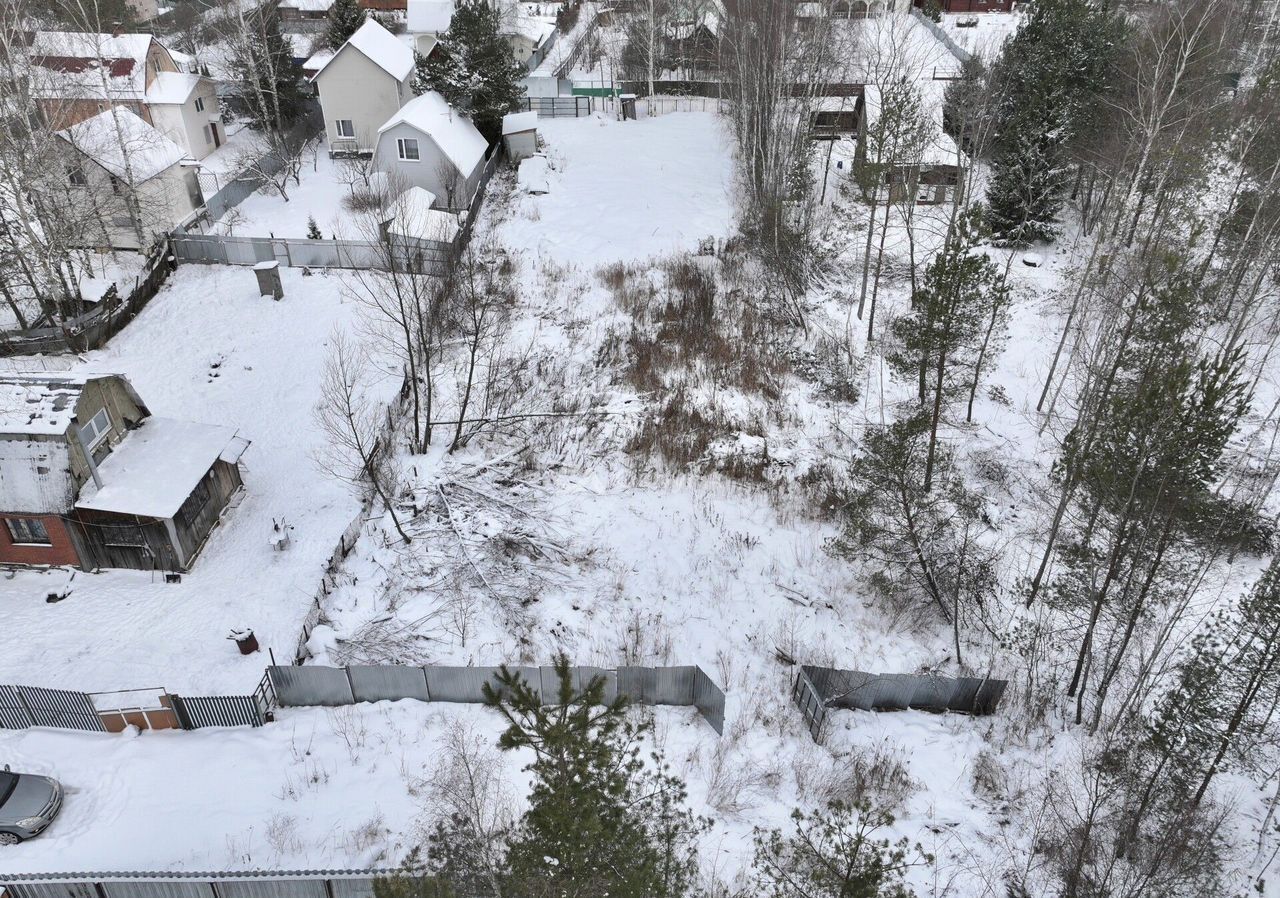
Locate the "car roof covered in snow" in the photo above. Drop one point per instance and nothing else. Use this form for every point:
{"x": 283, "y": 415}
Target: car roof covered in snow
{"x": 136, "y": 152}
{"x": 452, "y": 131}
{"x": 386, "y": 50}
{"x": 515, "y": 122}
{"x": 172, "y": 88}
{"x": 156, "y": 466}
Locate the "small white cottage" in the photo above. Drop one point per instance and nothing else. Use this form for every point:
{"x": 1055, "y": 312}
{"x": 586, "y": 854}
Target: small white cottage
{"x": 427, "y": 144}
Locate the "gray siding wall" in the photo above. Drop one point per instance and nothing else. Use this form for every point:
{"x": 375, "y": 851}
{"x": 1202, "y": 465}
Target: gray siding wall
{"x": 426, "y": 172}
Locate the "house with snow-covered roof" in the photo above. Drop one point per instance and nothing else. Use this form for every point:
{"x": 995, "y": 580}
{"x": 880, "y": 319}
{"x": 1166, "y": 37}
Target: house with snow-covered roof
{"x": 428, "y": 144}
{"x": 362, "y": 86}
{"x": 130, "y": 180}
{"x": 76, "y": 75}
{"x": 90, "y": 478}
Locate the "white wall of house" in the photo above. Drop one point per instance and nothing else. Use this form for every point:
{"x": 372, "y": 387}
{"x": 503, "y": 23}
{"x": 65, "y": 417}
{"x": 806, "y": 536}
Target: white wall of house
{"x": 188, "y": 124}
{"x": 163, "y": 201}
{"x": 354, "y": 88}
{"x": 433, "y": 171}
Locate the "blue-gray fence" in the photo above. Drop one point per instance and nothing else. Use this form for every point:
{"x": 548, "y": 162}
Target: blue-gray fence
{"x": 310, "y": 685}
{"x": 818, "y": 689}
{"x": 201, "y": 884}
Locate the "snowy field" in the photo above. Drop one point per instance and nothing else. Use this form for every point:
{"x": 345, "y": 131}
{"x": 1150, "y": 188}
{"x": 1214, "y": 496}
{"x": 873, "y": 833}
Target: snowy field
{"x": 987, "y": 37}
{"x": 207, "y": 349}
{"x": 628, "y": 190}
{"x": 319, "y": 196}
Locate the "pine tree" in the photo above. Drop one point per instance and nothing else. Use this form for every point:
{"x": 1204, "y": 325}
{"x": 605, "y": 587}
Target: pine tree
{"x": 600, "y": 820}
{"x": 345, "y": 17}
{"x": 1049, "y": 79}
{"x": 833, "y": 854}
{"x": 273, "y": 96}
{"x": 472, "y": 67}
{"x": 950, "y": 313}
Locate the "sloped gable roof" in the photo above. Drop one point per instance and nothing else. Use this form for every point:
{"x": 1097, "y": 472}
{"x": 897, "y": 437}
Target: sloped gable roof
{"x": 382, "y": 47}
{"x": 452, "y": 131}
{"x": 135, "y": 153}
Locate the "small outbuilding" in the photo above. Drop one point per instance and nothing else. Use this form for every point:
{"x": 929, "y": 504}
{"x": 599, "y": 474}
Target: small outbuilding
{"x": 520, "y": 135}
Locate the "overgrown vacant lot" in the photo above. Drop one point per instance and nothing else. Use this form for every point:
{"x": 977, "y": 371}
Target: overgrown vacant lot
{"x": 207, "y": 349}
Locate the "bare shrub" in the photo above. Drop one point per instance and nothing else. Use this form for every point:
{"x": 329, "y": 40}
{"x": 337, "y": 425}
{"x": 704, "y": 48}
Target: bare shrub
{"x": 736, "y": 784}
{"x": 874, "y": 773}
{"x": 282, "y": 835}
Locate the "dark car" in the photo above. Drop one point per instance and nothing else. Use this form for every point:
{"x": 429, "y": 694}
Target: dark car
{"x": 28, "y": 804}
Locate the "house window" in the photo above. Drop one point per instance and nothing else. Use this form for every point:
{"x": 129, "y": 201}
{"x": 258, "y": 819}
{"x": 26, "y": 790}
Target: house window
{"x": 115, "y": 184}
{"x": 95, "y": 430}
{"x": 199, "y": 104}
{"x": 408, "y": 149}
{"x": 208, "y": 135}
{"x": 28, "y": 531}
{"x": 77, "y": 178}
{"x": 122, "y": 535}
{"x": 345, "y": 127}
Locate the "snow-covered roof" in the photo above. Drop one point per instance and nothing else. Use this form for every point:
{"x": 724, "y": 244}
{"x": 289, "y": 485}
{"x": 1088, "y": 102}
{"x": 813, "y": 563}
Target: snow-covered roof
{"x": 38, "y": 404}
{"x": 155, "y": 467}
{"x": 172, "y": 88}
{"x": 386, "y": 50}
{"x": 515, "y": 122}
{"x": 307, "y": 5}
{"x": 527, "y": 26}
{"x": 73, "y": 64}
{"x": 185, "y": 61}
{"x": 897, "y": 45}
{"x": 134, "y": 152}
{"x": 431, "y": 16}
{"x": 316, "y": 61}
{"x": 533, "y": 176}
{"x": 452, "y": 131}
{"x": 412, "y": 216}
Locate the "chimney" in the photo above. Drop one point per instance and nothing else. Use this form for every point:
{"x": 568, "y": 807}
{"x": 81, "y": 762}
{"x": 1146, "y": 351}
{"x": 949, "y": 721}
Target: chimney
{"x": 115, "y": 29}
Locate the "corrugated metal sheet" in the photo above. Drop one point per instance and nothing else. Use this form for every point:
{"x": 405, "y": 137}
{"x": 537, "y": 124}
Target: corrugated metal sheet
{"x": 272, "y": 888}
{"x": 195, "y": 712}
{"x": 13, "y": 713}
{"x": 352, "y": 888}
{"x": 458, "y": 684}
{"x": 158, "y": 889}
{"x": 311, "y": 685}
{"x": 388, "y": 682}
{"x": 890, "y": 692}
{"x": 61, "y": 708}
{"x": 709, "y": 700}
{"x": 52, "y": 890}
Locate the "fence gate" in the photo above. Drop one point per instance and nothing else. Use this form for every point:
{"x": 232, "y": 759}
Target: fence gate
{"x": 13, "y": 713}
{"x": 60, "y": 708}
{"x": 218, "y": 711}
{"x": 812, "y": 708}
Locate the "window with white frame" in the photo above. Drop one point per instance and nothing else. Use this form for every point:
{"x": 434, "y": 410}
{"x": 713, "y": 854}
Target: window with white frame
{"x": 407, "y": 147}
{"x": 28, "y": 531}
{"x": 95, "y": 430}
{"x": 346, "y": 128}
{"x": 199, "y": 104}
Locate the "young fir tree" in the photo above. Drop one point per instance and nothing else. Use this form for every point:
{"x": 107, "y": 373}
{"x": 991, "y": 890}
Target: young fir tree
{"x": 833, "y": 854}
{"x": 313, "y": 229}
{"x": 961, "y": 291}
{"x": 600, "y": 820}
{"x": 345, "y": 16}
{"x": 1048, "y": 81}
{"x": 473, "y": 69}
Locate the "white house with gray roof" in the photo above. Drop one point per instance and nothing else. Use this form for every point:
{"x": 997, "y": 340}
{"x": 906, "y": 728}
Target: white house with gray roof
{"x": 363, "y": 85}
{"x": 430, "y": 145}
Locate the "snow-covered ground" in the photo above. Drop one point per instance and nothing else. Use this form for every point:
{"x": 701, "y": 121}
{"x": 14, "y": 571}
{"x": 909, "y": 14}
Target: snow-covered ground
{"x": 986, "y": 37}
{"x": 206, "y": 349}
{"x": 319, "y": 196}
{"x": 628, "y": 190}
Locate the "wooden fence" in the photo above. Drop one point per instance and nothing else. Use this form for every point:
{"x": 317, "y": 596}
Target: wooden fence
{"x": 91, "y": 329}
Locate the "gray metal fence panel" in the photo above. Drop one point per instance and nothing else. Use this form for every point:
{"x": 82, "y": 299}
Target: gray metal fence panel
{"x": 61, "y": 708}
{"x": 988, "y": 696}
{"x": 458, "y": 684}
{"x": 13, "y": 713}
{"x": 158, "y": 889}
{"x": 387, "y": 682}
{"x": 311, "y": 685}
{"x": 51, "y": 890}
{"x": 351, "y": 888}
{"x": 272, "y": 888}
{"x": 195, "y": 712}
{"x": 670, "y": 686}
{"x": 582, "y": 677}
{"x": 631, "y": 683}
{"x": 709, "y": 700}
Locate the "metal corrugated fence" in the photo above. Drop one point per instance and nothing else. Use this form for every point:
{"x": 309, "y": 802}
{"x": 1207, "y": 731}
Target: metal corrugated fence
{"x": 818, "y": 688}
{"x": 247, "y": 884}
{"x": 310, "y": 685}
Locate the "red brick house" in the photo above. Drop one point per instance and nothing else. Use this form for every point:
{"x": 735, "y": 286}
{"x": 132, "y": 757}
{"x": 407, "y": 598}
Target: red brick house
{"x": 89, "y": 477}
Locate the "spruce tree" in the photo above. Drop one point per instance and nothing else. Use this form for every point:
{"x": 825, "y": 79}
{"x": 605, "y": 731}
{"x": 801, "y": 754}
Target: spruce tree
{"x": 275, "y": 97}
{"x": 600, "y": 821}
{"x": 1049, "y": 80}
{"x": 345, "y": 17}
{"x": 473, "y": 69}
